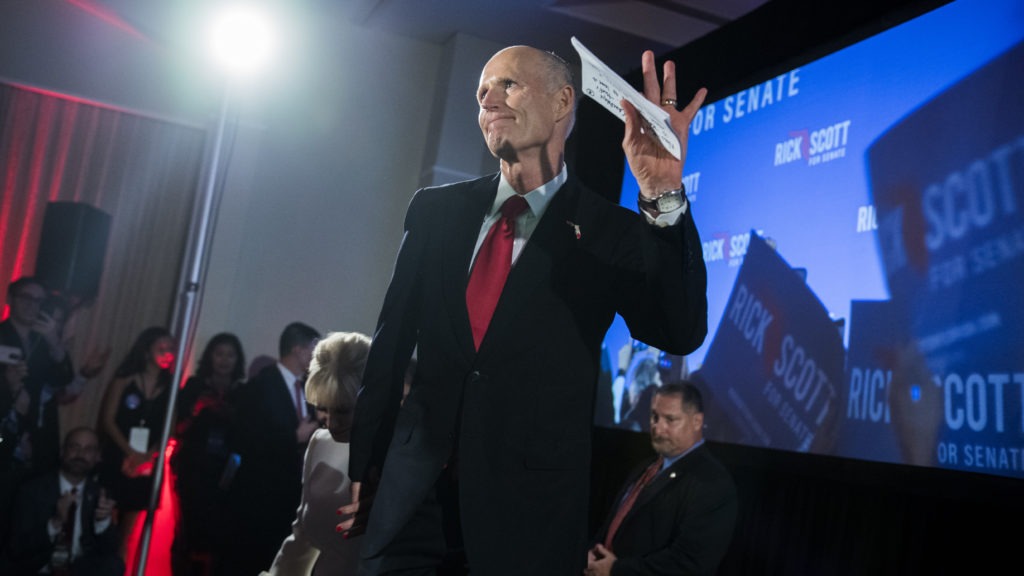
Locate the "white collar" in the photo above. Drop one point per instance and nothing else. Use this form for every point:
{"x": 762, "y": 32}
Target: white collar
{"x": 289, "y": 378}
{"x": 537, "y": 199}
{"x": 66, "y": 485}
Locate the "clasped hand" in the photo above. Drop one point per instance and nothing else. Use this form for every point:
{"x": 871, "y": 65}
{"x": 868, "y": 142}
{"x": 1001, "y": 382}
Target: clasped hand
{"x": 356, "y": 513}
{"x": 599, "y": 561}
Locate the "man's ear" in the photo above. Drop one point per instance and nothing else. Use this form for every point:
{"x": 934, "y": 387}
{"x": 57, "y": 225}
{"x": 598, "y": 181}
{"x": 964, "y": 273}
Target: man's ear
{"x": 698, "y": 421}
{"x": 565, "y": 100}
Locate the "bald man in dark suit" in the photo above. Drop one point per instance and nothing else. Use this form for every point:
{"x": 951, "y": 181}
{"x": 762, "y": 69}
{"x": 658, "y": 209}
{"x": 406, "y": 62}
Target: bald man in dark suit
{"x": 489, "y": 455}
{"x": 62, "y": 520}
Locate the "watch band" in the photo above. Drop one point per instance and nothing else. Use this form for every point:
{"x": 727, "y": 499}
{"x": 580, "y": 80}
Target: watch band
{"x": 667, "y": 201}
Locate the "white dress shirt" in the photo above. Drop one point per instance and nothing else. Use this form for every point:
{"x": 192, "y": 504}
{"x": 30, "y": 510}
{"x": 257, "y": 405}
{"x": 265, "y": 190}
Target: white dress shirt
{"x": 289, "y": 382}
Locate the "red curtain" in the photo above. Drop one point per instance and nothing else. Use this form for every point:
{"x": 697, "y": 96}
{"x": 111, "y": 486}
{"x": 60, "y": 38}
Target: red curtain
{"x": 141, "y": 170}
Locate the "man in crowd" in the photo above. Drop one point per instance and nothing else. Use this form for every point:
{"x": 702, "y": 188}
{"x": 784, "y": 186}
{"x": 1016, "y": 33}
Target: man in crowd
{"x": 44, "y": 368}
{"x": 271, "y": 427}
{"x": 61, "y": 521}
{"x": 505, "y": 287}
{"x": 34, "y": 368}
{"x": 675, "y": 515}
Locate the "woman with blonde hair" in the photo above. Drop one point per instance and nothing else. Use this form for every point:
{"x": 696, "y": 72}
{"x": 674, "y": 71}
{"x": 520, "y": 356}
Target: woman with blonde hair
{"x": 314, "y": 546}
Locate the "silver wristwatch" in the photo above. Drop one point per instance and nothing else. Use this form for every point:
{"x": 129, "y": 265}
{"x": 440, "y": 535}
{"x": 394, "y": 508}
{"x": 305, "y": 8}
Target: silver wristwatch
{"x": 665, "y": 202}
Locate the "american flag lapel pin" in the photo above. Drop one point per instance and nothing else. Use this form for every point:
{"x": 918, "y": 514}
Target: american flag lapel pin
{"x": 575, "y": 227}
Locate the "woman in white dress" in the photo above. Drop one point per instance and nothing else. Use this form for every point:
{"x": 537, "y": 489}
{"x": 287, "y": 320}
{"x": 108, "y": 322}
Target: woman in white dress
{"x": 314, "y": 546}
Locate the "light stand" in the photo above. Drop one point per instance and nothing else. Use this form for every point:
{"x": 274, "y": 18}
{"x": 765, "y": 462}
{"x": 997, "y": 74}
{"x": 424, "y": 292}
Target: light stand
{"x": 242, "y": 40}
{"x": 203, "y": 231}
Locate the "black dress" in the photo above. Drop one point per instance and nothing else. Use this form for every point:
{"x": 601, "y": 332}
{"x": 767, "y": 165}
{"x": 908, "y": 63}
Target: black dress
{"x": 133, "y": 410}
{"x": 198, "y": 463}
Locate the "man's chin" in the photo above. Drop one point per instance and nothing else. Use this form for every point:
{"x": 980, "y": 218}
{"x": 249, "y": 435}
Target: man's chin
{"x": 502, "y": 149}
{"x": 78, "y": 470}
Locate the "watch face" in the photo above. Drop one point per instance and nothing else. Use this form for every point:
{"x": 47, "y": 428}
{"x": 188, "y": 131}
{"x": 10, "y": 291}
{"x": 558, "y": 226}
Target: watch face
{"x": 670, "y": 202}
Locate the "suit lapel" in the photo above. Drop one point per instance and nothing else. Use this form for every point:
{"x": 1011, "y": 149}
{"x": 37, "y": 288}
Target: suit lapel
{"x": 547, "y": 247}
{"x": 279, "y": 388}
{"x": 460, "y": 230}
{"x": 673, "y": 474}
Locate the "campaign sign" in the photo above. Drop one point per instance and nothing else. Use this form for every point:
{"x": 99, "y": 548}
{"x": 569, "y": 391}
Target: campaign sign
{"x": 878, "y": 399}
{"x": 772, "y": 373}
{"x": 948, "y": 186}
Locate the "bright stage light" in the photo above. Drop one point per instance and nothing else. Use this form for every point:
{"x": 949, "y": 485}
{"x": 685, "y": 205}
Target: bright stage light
{"x": 242, "y": 39}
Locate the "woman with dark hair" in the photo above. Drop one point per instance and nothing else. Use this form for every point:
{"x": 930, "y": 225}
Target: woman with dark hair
{"x": 201, "y": 453}
{"x": 132, "y": 421}
{"x": 221, "y": 369}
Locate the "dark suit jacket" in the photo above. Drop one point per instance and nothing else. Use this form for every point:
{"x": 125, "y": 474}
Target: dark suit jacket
{"x": 682, "y": 522}
{"x": 263, "y": 433}
{"x": 42, "y": 371}
{"x": 29, "y": 548}
{"x": 518, "y": 411}
{"x": 268, "y": 484}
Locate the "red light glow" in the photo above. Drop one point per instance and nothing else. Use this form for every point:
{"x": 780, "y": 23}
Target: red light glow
{"x": 107, "y": 15}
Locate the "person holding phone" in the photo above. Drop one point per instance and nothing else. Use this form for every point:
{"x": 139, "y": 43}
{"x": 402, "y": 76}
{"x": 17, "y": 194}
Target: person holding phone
{"x": 33, "y": 363}
{"x": 37, "y": 364}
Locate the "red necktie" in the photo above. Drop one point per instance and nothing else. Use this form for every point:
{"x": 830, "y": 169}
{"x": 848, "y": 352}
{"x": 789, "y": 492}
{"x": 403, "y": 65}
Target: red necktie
{"x": 630, "y": 499}
{"x": 299, "y": 400}
{"x": 490, "y": 270}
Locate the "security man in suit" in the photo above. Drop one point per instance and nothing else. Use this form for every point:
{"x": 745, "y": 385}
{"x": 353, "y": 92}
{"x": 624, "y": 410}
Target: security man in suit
{"x": 675, "y": 515}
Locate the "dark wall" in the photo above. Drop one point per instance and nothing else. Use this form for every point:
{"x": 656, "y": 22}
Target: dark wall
{"x": 800, "y": 513}
{"x": 804, "y": 514}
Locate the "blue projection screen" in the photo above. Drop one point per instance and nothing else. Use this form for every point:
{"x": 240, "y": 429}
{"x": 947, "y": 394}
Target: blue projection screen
{"x": 861, "y": 219}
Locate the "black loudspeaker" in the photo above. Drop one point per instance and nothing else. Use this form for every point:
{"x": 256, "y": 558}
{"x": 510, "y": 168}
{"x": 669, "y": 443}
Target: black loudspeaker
{"x": 72, "y": 248}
